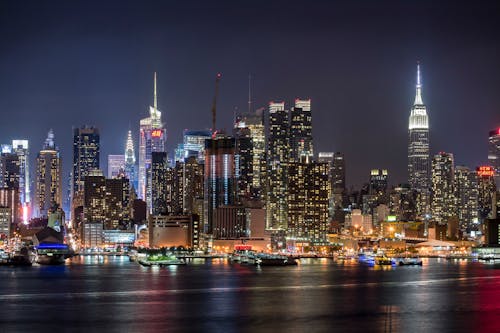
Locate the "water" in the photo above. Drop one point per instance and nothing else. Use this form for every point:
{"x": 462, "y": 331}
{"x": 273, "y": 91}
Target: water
{"x": 114, "y": 295}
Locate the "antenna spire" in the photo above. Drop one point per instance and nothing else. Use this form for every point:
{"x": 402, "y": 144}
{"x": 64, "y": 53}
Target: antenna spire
{"x": 418, "y": 95}
{"x": 155, "y": 100}
{"x": 249, "y": 93}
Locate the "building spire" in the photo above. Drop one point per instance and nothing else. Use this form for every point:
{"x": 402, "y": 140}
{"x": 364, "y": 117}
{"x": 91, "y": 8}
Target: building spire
{"x": 249, "y": 93}
{"x": 155, "y": 101}
{"x": 418, "y": 95}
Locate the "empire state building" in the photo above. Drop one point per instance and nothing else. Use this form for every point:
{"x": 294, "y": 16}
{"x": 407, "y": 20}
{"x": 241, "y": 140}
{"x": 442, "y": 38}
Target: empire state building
{"x": 418, "y": 142}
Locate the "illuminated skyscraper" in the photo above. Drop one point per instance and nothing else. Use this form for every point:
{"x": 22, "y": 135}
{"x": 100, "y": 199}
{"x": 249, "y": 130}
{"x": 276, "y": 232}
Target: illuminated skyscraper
{"x": 255, "y": 124}
{"x": 130, "y": 166}
{"x": 86, "y": 150}
{"x": 378, "y": 181}
{"x": 443, "y": 196}
{"x": 466, "y": 194}
{"x": 309, "y": 191}
{"x": 244, "y": 162}
{"x": 116, "y": 165}
{"x": 152, "y": 138}
{"x": 159, "y": 172}
{"x": 487, "y": 193}
{"x": 194, "y": 144}
{"x": 220, "y": 182}
{"x": 494, "y": 149}
{"x": 277, "y": 164}
{"x": 418, "y": 142}
{"x": 20, "y": 148}
{"x": 48, "y": 186}
{"x": 301, "y": 142}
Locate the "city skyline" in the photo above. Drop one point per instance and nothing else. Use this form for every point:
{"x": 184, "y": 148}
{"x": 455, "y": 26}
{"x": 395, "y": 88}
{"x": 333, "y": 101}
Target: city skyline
{"x": 369, "y": 95}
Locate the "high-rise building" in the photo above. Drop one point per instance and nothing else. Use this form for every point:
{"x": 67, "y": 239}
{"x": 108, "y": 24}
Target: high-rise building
{"x": 466, "y": 195}
{"x": 494, "y": 149}
{"x": 106, "y": 201}
{"x": 309, "y": 191}
{"x": 10, "y": 169}
{"x": 86, "y": 150}
{"x": 443, "y": 196}
{"x": 378, "y": 181}
{"x": 277, "y": 167}
{"x": 159, "y": 173}
{"x": 9, "y": 197}
{"x": 220, "y": 182}
{"x": 193, "y": 184}
{"x": 116, "y": 165}
{"x": 194, "y": 144}
{"x": 48, "y": 186}
{"x": 418, "y": 142}
{"x": 254, "y": 122}
{"x": 487, "y": 192}
{"x": 20, "y": 148}
{"x": 153, "y": 136}
{"x": 301, "y": 141}
{"x": 244, "y": 162}
{"x": 130, "y": 166}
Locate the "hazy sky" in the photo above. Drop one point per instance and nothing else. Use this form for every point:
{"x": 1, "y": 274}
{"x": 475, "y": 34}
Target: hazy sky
{"x": 69, "y": 63}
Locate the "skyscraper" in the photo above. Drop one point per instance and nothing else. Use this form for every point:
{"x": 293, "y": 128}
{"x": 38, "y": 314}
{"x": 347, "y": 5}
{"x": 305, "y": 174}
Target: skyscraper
{"x": 378, "y": 181}
{"x": 152, "y": 138}
{"x": 48, "y": 187}
{"x": 20, "y": 148}
{"x": 244, "y": 162}
{"x": 86, "y": 150}
{"x": 116, "y": 165}
{"x": 418, "y": 142}
{"x": 220, "y": 182}
{"x": 309, "y": 191}
{"x": 443, "y": 196}
{"x": 159, "y": 172}
{"x": 494, "y": 149}
{"x": 466, "y": 194}
{"x": 254, "y": 122}
{"x": 130, "y": 166}
{"x": 301, "y": 143}
{"x": 277, "y": 164}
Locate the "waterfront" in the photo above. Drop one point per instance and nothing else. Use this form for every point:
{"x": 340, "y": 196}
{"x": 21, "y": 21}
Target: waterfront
{"x": 112, "y": 294}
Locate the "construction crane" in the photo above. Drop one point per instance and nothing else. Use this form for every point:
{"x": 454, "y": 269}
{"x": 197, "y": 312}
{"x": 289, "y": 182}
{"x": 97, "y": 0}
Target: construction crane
{"x": 214, "y": 104}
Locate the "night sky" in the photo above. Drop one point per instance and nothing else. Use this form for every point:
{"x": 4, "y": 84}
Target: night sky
{"x": 69, "y": 63}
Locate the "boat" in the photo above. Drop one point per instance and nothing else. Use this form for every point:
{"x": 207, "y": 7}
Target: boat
{"x": 21, "y": 258}
{"x": 161, "y": 260}
{"x": 383, "y": 260}
{"x": 275, "y": 260}
{"x": 52, "y": 253}
{"x": 409, "y": 261}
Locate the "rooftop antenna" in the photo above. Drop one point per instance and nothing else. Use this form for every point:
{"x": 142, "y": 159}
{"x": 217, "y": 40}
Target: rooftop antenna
{"x": 214, "y": 104}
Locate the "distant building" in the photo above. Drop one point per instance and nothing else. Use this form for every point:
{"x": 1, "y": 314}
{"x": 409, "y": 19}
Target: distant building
{"x": 5, "y": 222}
{"x": 277, "y": 167}
{"x": 194, "y": 144}
{"x": 193, "y": 184}
{"x": 418, "y": 142}
{"x": 244, "y": 160}
{"x": 159, "y": 173}
{"x": 86, "y": 152}
{"x": 378, "y": 181}
{"x": 466, "y": 194}
{"x": 309, "y": 190}
{"x": 254, "y": 122}
{"x": 220, "y": 181}
{"x": 487, "y": 192}
{"x": 130, "y": 166}
{"x": 116, "y": 165}
{"x": 173, "y": 230}
{"x": 230, "y": 222}
{"x": 153, "y": 136}
{"x": 20, "y": 148}
{"x": 9, "y": 197}
{"x": 48, "y": 182}
{"x": 443, "y": 196}
{"x": 301, "y": 140}
{"x": 494, "y": 149}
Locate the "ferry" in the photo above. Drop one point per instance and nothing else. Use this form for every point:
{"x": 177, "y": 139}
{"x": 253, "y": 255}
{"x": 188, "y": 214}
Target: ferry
{"x": 161, "y": 260}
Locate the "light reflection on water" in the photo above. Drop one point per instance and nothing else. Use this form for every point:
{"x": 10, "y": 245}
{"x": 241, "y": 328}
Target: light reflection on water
{"x": 112, "y": 293}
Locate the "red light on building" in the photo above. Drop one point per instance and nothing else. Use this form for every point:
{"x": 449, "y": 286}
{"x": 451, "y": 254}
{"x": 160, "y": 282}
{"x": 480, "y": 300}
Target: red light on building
{"x": 485, "y": 171}
{"x": 243, "y": 247}
{"x": 156, "y": 133}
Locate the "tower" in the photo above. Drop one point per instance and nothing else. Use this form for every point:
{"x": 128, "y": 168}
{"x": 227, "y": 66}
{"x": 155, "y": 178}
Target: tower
{"x": 130, "y": 167}
{"x": 301, "y": 143}
{"x": 277, "y": 164}
{"x": 152, "y": 138}
{"x": 494, "y": 149}
{"x": 443, "y": 196}
{"x": 418, "y": 142}
{"x": 48, "y": 186}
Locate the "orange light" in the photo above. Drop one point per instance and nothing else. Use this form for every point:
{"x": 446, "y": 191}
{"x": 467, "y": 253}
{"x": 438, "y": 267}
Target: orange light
{"x": 156, "y": 133}
{"x": 485, "y": 171}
